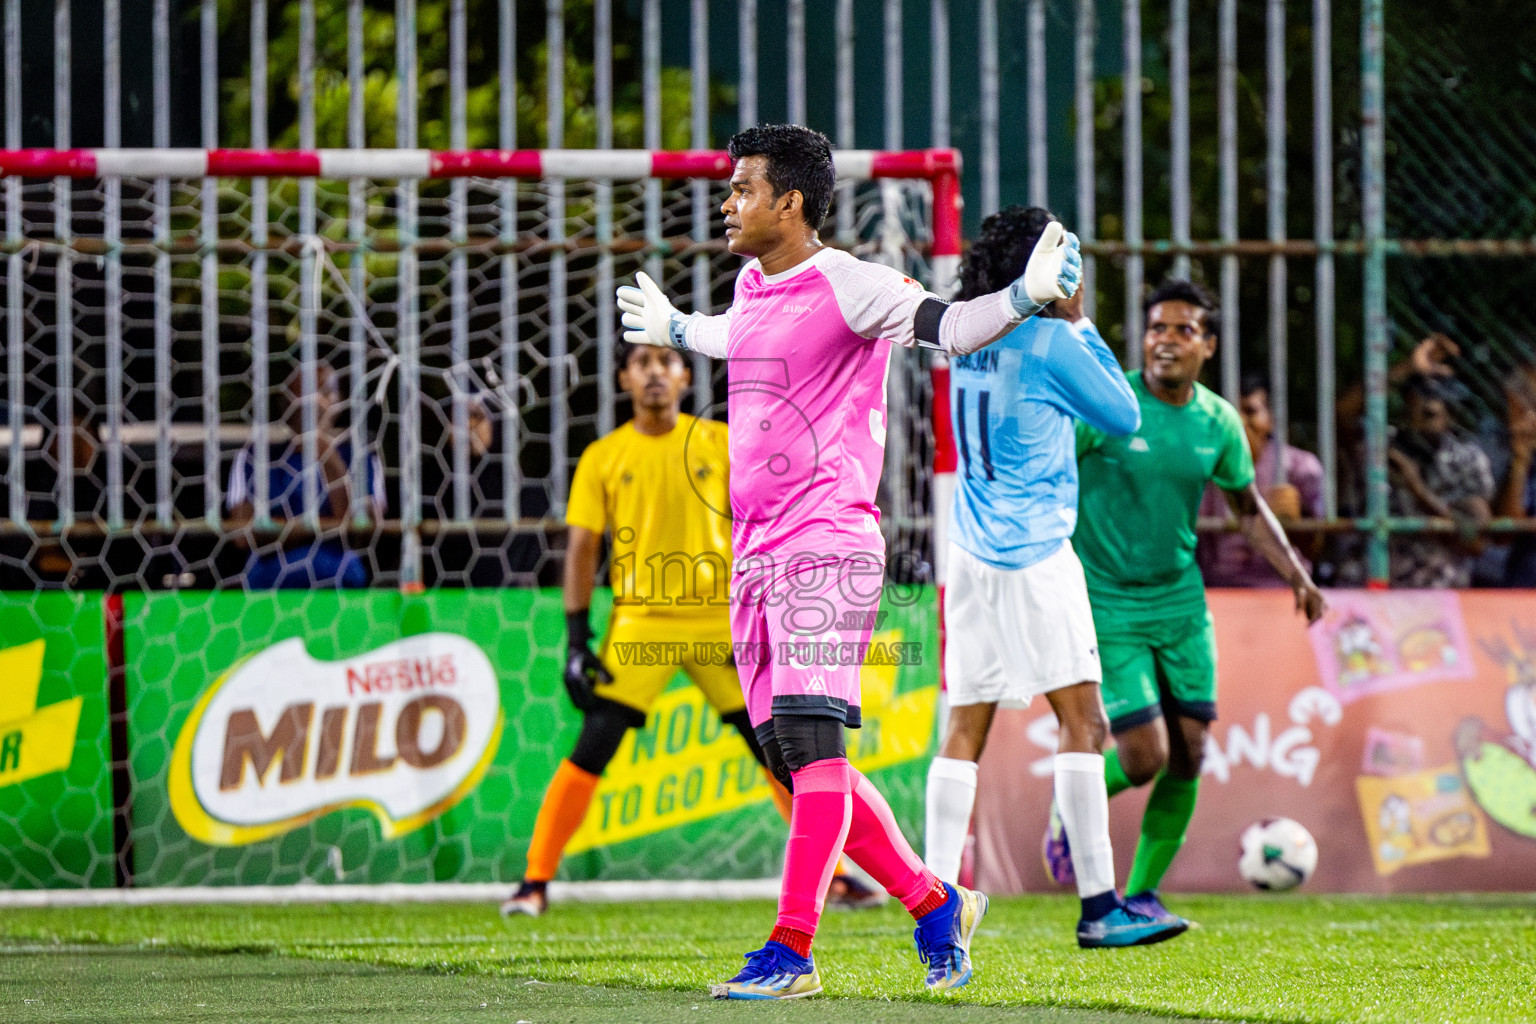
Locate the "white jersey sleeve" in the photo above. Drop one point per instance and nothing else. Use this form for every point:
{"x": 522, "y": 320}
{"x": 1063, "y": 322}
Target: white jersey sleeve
{"x": 708, "y": 335}
{"x": 876, "y": 301}
{"x": 711, "y": 335}
{"x": 881, "y": 302}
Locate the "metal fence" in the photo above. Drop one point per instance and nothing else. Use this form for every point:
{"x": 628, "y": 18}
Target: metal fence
{"x": 1177, "y": 139}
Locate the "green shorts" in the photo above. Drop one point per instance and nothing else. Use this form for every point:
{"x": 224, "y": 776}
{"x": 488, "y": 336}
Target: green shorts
{"x": 1156, "y": 666}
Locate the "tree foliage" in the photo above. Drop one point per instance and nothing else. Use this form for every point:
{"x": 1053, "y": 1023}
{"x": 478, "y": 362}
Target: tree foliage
{"x": 482, "y": 74}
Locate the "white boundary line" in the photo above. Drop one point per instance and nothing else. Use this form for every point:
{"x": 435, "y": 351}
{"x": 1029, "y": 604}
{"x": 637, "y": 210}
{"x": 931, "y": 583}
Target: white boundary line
{"x": 398, "y": 892}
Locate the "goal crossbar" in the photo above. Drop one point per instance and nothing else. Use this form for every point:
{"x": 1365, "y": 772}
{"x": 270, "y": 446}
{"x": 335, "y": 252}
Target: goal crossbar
{"x": 853, "y": 164}
{"x": 937, "y": 166}
{"x": 941, "y": 167}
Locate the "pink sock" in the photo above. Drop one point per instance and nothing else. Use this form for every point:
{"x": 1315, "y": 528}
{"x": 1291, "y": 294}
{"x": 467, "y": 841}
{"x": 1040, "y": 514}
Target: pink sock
{"x": 877, "y": 846}
{"x": 818, "y": 824}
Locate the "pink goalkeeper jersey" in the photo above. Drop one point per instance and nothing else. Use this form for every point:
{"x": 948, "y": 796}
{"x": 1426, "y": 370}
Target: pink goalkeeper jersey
{"x": 809, "y": 350}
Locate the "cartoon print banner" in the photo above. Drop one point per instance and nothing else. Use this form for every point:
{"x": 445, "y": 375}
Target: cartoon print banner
{"x": 377, "y": 737}
{"x": 1401, "y": 730}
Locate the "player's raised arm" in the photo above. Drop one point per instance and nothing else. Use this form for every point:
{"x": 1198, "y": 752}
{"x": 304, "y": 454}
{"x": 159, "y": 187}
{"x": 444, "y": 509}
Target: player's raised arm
{"x": 878, "y": 301}
{"x": 651, "y": 319}
{"x": 1086, "y": 373}
{"x": 1054, "y": 271}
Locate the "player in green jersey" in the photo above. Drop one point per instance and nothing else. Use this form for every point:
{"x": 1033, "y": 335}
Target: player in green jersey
{"x": 1136, "y": 537}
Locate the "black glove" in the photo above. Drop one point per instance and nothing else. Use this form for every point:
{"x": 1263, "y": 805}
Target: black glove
{"x": 583, "y": 669}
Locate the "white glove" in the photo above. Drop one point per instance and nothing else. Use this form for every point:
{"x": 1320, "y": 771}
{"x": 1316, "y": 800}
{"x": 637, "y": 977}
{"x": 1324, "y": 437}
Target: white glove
{"x": 1054, "y": 271}
{"x": 649, "y": 317}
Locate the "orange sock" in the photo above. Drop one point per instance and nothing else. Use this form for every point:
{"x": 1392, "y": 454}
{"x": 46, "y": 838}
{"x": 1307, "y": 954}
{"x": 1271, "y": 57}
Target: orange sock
{"x": 781, "y": 800}
{"x": 565, "y": 804}
{"x": 781, "y": 797}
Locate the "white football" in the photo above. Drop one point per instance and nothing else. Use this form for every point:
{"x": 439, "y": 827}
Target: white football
{"x": 1277, "y": 854}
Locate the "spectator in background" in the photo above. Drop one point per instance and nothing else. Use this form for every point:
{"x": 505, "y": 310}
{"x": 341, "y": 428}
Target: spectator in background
{"x": 1431, "y": 357}
{"x": 306, "y": 562}
{"x": 1345, "y": 565}
{"x": 1517, "y": 494}
{"x": 1432, "y": 472}
{"x": 1227, "y": 559}
{"x": 439, "y": 457}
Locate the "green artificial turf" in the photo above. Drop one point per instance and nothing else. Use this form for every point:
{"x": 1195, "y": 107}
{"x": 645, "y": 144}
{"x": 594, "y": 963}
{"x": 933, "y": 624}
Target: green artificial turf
{"x": 1255, "y": 958}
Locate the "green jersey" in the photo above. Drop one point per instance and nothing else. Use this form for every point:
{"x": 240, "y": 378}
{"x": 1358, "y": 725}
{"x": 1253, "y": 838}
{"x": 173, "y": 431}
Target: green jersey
{"x": 1138, "y": 499}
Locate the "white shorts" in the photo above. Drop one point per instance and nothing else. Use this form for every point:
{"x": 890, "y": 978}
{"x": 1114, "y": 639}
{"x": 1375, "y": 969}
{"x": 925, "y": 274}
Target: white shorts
{"x": 1014, "y": 633}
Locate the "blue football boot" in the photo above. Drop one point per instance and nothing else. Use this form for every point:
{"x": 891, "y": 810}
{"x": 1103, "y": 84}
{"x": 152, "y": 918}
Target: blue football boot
{"x": 773, "y": 972}
{"x": 1148, "y": 902}
{"x": 1126, "y": 927}
{"x": 944, "y": 938}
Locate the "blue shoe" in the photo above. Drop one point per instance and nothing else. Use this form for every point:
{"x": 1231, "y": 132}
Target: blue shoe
{"x": 944, "y": 938}
{"x": 1126, "y": 927}
{"x": 773, "y": 972}
{"x": 1056, "y": 851}
{"x": 1148, "y": 902}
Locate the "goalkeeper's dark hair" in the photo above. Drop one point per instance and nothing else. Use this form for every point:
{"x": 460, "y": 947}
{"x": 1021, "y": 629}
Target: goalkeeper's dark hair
{"x": 1002, "y": 252}
{"x": 799, "y": 159}
{"x": 1177, "y": 289}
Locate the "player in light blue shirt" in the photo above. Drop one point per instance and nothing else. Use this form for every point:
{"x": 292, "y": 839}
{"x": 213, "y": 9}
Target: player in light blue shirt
{"x": 1012, "y": 407}
{"x": 1016, "y": 603}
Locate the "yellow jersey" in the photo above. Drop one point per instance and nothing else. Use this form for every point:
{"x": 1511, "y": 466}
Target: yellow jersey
{"x": 665, "y": 502}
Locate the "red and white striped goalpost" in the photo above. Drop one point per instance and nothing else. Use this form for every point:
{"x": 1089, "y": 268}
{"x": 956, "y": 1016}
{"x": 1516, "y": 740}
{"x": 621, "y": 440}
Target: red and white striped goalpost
{"x": 940, "y": 167}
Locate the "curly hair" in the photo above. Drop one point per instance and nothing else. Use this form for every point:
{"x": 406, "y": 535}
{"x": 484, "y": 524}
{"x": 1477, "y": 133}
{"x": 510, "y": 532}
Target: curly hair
{"x": 799, "y": 159}
{"x": 1179, "y": 290}
{"x": 1001, "y": 253}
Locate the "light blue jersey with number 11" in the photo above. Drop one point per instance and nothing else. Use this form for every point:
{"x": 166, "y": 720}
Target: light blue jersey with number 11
{"x": 1012, "y": 407}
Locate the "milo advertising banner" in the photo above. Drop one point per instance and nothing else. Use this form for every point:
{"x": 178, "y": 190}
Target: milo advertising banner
{"x": 1400, "y": 730}
{"x": 55, "y": 789}
{"x": 376, "y": 737}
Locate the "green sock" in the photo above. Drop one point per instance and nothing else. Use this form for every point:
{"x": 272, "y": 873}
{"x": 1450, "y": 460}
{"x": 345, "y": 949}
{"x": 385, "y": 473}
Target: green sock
{"x": 1114, "y": 775}
{"x": 1169, "y": 809}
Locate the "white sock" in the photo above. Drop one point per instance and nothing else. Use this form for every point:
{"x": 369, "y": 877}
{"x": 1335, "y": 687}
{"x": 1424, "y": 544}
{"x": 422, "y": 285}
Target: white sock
{"x": 951, "y": 797}
{"x": 1084, "y": 807}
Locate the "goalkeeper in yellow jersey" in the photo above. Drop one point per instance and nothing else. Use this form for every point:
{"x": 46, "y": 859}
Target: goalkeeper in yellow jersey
{"x": 659, "y": 486}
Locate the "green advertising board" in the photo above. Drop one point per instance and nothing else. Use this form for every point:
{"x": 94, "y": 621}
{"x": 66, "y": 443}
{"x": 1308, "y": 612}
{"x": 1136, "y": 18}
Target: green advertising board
{"x": 55, "y": 788}
{"x": 369, "y": 736}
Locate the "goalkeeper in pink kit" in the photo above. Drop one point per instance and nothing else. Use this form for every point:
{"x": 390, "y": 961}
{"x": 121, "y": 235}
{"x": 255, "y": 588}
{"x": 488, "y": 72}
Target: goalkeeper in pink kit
{"x": 808, "y": 338}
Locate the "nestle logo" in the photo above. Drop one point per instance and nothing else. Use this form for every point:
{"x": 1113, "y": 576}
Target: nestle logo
{"x": 795, "y": 307}
{"x": 401, "y": 675}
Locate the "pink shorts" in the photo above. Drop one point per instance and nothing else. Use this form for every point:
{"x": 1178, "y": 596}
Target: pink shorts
{"x": 801, "y": 630}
